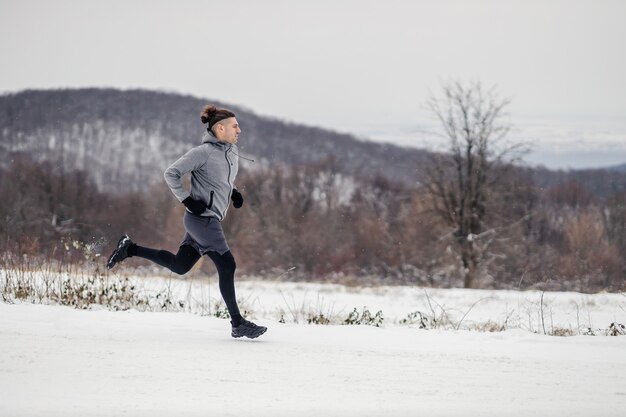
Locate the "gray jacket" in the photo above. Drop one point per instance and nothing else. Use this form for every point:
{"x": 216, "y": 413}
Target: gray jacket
{"x": 213, "y": 166}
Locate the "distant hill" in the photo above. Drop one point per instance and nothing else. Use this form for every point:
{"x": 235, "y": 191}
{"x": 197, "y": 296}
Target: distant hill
{"x": 619, "y": 168}
{"x": 126, "y": 139}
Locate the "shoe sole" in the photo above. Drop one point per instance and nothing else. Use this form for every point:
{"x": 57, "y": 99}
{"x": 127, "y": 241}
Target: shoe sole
{"x": 116, "y": 251}
{"x": 253, "y": 336}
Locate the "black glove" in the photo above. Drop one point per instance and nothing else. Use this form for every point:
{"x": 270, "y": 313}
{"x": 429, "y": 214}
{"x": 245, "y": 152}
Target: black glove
{"x": 197, "y": 207}
{"x": 237, "y": 198}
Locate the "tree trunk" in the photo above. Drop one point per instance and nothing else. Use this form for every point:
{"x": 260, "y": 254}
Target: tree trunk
{"x": 470, "y": 265}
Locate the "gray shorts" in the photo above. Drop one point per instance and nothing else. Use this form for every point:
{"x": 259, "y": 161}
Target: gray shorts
{"x": 204, "y": 234}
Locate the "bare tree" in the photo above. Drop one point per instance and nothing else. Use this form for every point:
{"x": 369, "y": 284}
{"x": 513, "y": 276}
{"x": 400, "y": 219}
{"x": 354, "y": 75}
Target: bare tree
{"x": 463, "y": 180}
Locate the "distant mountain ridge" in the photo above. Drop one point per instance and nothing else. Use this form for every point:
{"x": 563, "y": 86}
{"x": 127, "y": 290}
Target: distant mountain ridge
{"x": 619, "y": 168}
{"x": 125, "y": 139}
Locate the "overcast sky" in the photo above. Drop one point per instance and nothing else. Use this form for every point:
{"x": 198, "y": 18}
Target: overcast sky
{"x": 354, "y": 65}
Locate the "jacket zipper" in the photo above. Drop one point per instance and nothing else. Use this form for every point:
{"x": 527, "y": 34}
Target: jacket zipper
{"x": 211, "y": 200}
{"x": 229, "y": 182}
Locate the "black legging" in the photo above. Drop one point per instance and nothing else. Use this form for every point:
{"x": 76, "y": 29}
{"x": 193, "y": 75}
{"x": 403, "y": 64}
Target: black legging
{"x": 187, "y": 257}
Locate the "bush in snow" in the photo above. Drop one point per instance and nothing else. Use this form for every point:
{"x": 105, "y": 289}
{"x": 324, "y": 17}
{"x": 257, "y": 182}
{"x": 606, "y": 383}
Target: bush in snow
{"x": 417, "y": 317}
{"x": 616, "y": 329}
{"x": 561, "y": 331}
{"x": 318, "y": 319}
{"x": 221, "y": 312}
{"x": 365, "y": 318}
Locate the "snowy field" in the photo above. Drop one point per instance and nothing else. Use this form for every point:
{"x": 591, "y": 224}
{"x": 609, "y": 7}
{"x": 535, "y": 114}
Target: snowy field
{"x": 61, "y": 361}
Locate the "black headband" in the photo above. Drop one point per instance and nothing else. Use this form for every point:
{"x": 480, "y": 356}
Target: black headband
{"x": 216, "y": 119}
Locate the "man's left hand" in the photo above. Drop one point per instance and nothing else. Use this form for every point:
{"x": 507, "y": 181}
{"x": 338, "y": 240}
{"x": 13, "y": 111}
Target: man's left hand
{"x": 237, "y": 198}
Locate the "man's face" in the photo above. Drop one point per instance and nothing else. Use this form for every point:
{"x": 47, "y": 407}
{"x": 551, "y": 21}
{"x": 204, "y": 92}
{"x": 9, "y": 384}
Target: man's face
{"x": 228, "y": 130}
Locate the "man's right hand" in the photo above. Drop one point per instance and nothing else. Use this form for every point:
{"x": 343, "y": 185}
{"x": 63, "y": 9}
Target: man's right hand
{"x": 197, "y": 207}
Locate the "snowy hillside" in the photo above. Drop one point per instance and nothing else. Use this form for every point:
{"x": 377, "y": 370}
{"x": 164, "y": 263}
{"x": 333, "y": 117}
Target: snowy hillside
{"x": 116, "y": 134}
{"x": 59, "y": 361}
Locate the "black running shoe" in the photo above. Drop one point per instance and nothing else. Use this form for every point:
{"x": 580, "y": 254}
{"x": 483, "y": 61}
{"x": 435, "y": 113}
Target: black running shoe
{"x": 248, "y": 329}
{"x": 120, "y": 253}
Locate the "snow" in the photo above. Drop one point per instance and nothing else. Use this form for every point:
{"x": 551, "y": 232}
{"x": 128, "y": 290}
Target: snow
{"x": 60, "y": 361}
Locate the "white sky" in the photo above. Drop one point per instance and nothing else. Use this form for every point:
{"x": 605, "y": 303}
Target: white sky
{"x": 352, "y": 65}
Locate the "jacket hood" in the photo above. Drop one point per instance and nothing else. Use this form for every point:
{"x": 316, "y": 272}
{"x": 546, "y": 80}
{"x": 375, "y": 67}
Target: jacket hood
{"x": 209, "y": 137}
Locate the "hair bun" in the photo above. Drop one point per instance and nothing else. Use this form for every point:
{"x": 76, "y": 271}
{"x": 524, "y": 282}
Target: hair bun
{"x": 211, "y": 115}
{"x": 207, "y": 112}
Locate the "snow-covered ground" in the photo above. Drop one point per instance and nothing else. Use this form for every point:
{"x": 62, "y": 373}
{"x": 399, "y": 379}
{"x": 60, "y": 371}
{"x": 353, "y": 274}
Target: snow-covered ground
{"x": 59, "y": 361}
